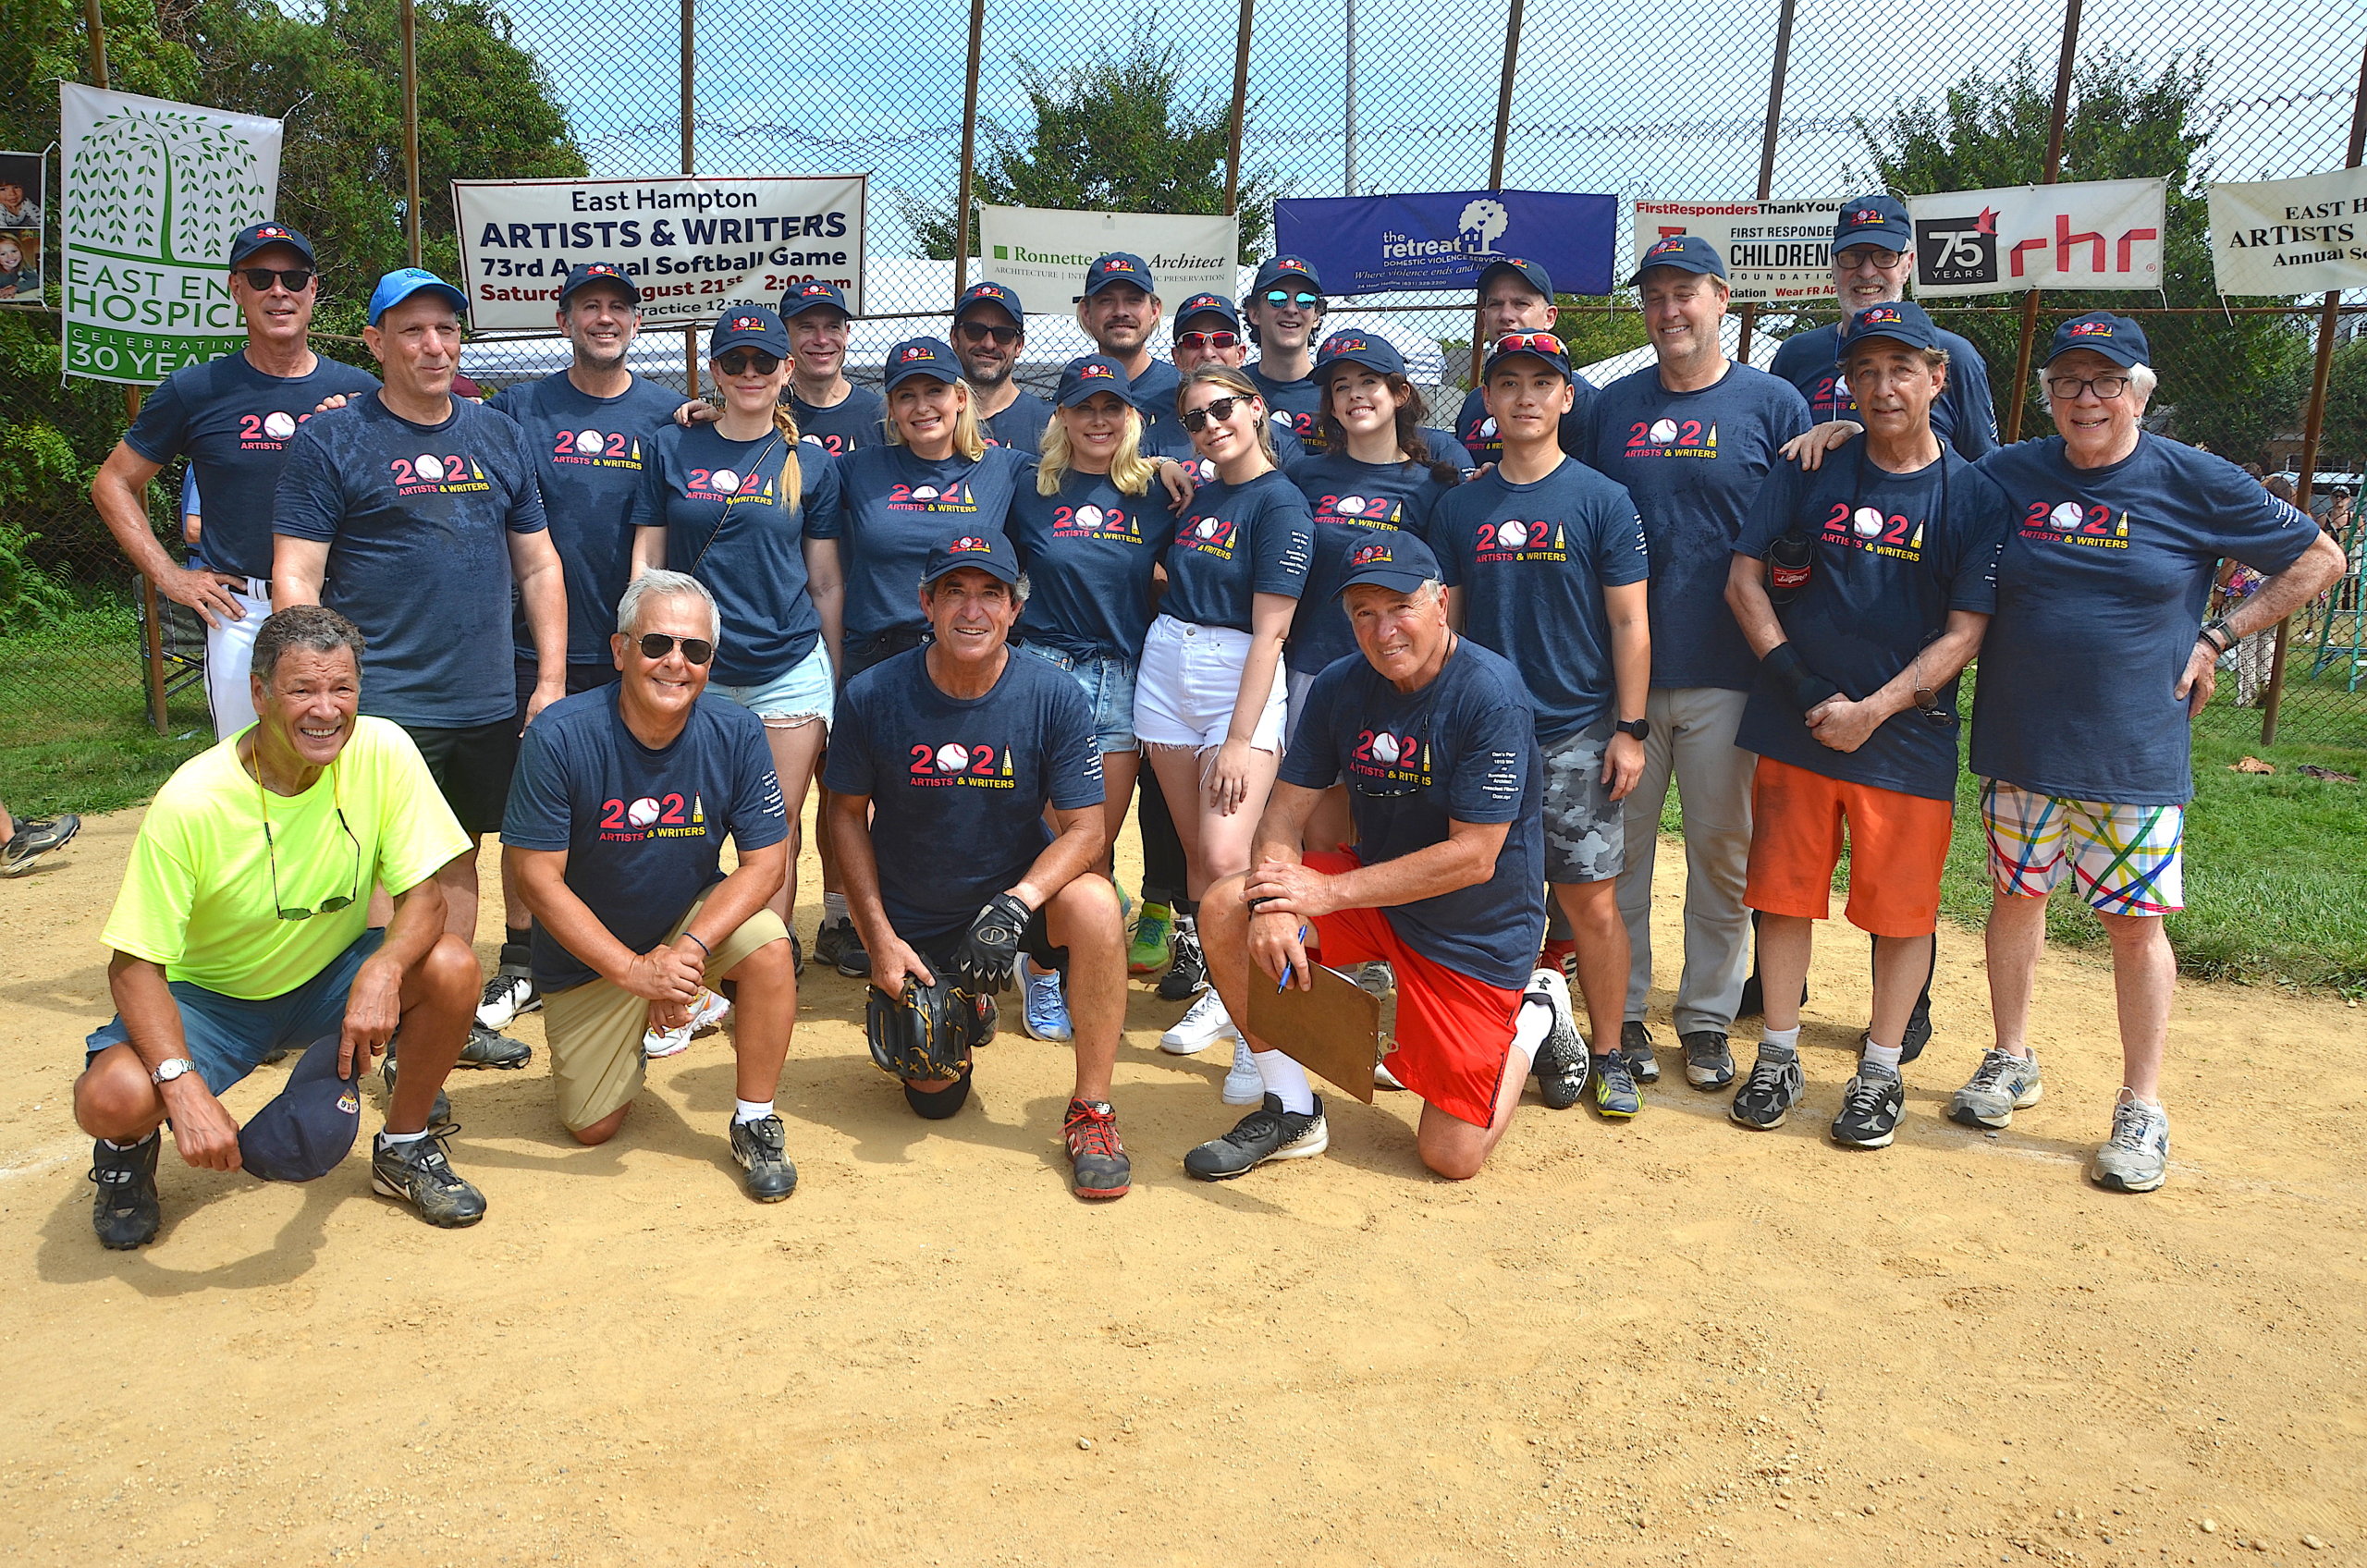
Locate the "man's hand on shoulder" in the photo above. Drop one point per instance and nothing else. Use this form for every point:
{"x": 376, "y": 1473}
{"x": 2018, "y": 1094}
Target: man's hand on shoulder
{"x": 698, "y": 410}
{"x": 1808, "y": 447}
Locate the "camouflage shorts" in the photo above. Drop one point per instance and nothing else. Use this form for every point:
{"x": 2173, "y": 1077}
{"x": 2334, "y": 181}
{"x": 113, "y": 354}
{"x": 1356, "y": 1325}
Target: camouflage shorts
{"x": 1584, "y": 841}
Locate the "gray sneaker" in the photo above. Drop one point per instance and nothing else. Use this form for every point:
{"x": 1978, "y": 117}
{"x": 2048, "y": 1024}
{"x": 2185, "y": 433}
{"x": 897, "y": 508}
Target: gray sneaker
{"x": 1709, "y": 1061}
{"x": 420, "y": 1173}
{"x": 1636, "y": 1045}
{"x": 1768, "y": 1095}
{"x": 2137, "y": 1156}
{"x": 2000, "y": 1085}
{"x": 761, "y": 1149}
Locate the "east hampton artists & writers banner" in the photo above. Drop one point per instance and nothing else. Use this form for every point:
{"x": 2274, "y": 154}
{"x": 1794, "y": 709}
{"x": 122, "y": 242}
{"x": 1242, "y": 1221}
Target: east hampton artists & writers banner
{"x": 2290, "y": 236}
{"x": 1445, "y": 239}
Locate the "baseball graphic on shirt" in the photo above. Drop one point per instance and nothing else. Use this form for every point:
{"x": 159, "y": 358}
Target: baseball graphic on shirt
{"x": 280, "y": 425}
{"x": 2064, "y": 519}
{"x": 1867, "y": 521}
{"x": 1352, "y": 506}
{"x": 952, "y": 758}
{"x": 641, "y": 813}
{"x": 1664, "y": 430}
{"x": 1385, "y": 747}
{"x": 1207, "y": 528}
{"x": 923, "y": 492}
{"x": 1088, "y": 517}
{"x": 429, "y": 466}
{"x": 1488, "y": 426}
{"x": 724, "y": 480}
{"x": 1511, "y": 535}
{"x": 587, "y": 441}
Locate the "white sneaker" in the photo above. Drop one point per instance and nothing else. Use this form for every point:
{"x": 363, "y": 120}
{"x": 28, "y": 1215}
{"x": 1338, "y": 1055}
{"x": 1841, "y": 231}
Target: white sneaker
{"x": 1382, "y": 1078}
{"x": 508, "y": 994}
{"x": 1203, "y": 1026}
{"x": 705, "y": 1013}
{"x": 1243, "y": 1085}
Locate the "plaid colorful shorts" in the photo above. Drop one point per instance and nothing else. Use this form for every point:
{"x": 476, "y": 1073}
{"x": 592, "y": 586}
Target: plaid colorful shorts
{"x": 2126, "y": 860}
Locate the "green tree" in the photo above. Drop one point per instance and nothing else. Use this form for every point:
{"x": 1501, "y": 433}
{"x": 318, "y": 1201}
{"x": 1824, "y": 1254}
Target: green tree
{"x": 2231, "y": 383}
{"x": 2342, "y": 440}
{"x": 1119, "y": 133}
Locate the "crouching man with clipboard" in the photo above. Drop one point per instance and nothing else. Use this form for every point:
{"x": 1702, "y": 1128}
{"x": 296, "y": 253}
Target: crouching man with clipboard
{"x": 1432, "y": 735}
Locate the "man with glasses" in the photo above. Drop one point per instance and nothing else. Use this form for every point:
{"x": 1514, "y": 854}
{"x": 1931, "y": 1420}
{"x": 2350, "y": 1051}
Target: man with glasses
{"x": 832, "y": 413}
{"x": 1119, "y": 310}
{"x": 1285, "y": 312}
{"x": 1516, "y": 295}
{"x": 614, "y": 833}
{"x": 989, "y": 330}
{"x": 232, "y": 417}
{"x": 241, "y": 931}
{"x": 1208, "y": 332}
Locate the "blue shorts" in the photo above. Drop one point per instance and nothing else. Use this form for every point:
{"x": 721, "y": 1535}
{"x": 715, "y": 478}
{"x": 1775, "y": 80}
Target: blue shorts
{"x": 1108, "y": 685}
{"x": 801, "y": 693}
{"x": 230, "y": 1035}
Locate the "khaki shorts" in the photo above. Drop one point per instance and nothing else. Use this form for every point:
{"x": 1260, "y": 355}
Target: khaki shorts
{"x": 595, "y": 1030}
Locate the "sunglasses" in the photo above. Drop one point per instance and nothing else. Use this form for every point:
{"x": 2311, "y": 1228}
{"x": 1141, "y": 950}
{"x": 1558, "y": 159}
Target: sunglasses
{"x": 657, "y": 645}
{"x": 271, "y": 858}
{"x": 979, "y": 332}
{"x": 1217, "y": 409}
{"x": 294, "y": 280}
{"x": 1386, "y": 789}
{"x": 1530, "y": 343}
{"x": 1206, "y": 340}
{"x": 1302, "y": 299}
{"x": 739, "y": 361}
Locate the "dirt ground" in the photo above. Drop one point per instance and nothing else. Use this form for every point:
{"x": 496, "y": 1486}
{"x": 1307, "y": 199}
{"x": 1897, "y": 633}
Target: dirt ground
{"x": 1668, "y": 1343}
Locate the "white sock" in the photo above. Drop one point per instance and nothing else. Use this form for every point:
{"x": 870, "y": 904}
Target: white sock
{"x": 388, "y": 1135}
{"x": 834, "y": 908}
{"x": 125, "y": 1148}
{"x": 750, "y": 1111}
{"x": 1787, "y": 1041}
{"x": 1881, "y": 1056}
{"x": 1530, "y": 1026}
{"x": 1286, "y": 1080}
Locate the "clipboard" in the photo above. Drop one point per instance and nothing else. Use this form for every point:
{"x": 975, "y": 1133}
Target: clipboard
{"x": 1332, "y": 1030}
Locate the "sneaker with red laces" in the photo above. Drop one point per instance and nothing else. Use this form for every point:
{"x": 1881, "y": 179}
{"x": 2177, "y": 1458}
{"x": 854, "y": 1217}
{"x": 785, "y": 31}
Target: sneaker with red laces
{"x": 1097, "y": 1164}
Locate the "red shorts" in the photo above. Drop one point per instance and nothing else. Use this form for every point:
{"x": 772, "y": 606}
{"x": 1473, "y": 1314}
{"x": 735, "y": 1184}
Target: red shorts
{"x": 1453, "y": 1031}
{"x": 1897, "y": 845}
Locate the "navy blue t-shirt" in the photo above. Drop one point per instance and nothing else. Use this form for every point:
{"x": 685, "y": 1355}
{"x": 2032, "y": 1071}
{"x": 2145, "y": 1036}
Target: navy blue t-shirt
{"x": 1962, "y": 416}
{"x": 1022, "y": 424}
{"x": 2100, "y": 590}
{"x": 1232, "y": 544}
{"x": 1533, "y": 560}
{"x": 1462, "y": 749}
{"x": 1350, "y": 502}
{"x": 417, "y": 519}
{"x": 1477, "y": 431}
{"x": 893, "y": 508}
{"x": 1693, "y": 462}
{"x": 233, "y": 423}
{"x": 1292, "y": 405}
{"x": 856, "y": 421}
{"x": 642, "y": 828}
{"x": 1894, "y": 554}
{"x": 587, "y": 458}
{"x": 728, "y": 523}
{"x": 1089, "y": 554}
{"x": 958, "y": 787}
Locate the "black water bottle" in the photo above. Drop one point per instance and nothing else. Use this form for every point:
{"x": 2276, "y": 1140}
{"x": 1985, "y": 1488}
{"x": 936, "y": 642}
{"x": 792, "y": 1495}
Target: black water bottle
{"x": 1789, "y": 560}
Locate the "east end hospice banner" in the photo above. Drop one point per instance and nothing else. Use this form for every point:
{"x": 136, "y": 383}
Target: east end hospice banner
{"x": 691, "y": 243}
{"x": 1445, "y": 239}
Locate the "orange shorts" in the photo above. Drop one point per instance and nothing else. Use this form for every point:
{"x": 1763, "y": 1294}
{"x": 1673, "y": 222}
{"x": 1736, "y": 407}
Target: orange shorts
{"x": 1452, "y": 1031}
{"x": 1898, "y": 846}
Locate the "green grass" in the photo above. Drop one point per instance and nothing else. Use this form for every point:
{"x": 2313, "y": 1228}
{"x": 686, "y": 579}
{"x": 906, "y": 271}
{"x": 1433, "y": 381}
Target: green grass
{"x": 76, "y": 735}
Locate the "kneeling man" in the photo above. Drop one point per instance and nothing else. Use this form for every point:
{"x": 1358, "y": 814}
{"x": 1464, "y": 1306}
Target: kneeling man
{"x": 613, "y": 838}
{"x": 241, "y": 933}
{"x": 1434, "y": 737}
{"x": 942, "y": 763}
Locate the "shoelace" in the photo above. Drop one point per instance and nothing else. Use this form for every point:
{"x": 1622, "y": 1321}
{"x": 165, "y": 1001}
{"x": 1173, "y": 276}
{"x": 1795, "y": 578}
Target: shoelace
{"x": 1612, "y": 1073}
{"x": 1865, "y": 1097}
{"x": 1991, "y": 1072}
{"x": 1255, "y": 1127}
{"x": 768, "y": 1135}
{"x": 431, "y": 1156}
{"x": 1092, "y": 1131}
{"x": 2129, "y": 1125}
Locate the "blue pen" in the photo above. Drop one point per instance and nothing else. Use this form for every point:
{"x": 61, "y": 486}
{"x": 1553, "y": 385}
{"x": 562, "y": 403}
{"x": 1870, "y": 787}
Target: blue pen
{"x": 1286, "y": 968}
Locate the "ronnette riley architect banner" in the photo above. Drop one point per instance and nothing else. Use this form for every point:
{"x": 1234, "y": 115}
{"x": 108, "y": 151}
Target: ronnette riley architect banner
{"x": 691, "y": 243}
{"x": 1445, "y": 239}
{"x": 152, "y": 191}
{"x": 1042, "y": 252}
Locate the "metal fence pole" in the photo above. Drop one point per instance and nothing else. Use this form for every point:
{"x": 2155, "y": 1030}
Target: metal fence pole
{"x": 969, "y": 153}
{"x": 1496, "y": 154}
{"x": 411, "y": 127}
{"x": 1240, "y": 106}
{"x": 1767, "y": 148}
{"x": 1348, "y": 164}
{"x": 2056, "y": 119}
{"x": 2313, "y": 422}
{"x": 690, "y": 152}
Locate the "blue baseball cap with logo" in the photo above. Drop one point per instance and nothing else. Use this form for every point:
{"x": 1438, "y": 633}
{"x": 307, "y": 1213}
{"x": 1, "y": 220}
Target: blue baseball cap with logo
{"x": 1080, "y": 378}
{"x": 1535, "y": 274}
{"x": 583, "y": 274}
{"x": 263, "y": 236}
{"x": 1273, "y": 269}
{"x": 1901, "y": 320}
{"x": 1368, "y": 349}
{"x": 804, "y": 296}
{"x": 2118, "y": 338}
{"x": 745, "y": 325}
{"x": 307, "y": 1129}
{"x": 1118, "y": 266}
{"x": 1398, "y": 560}
{"x": 931, "y": 356}
{"x": 1206, "y": 305}
{"x": 984, "y": 548}
{"x": 991, "y": 294}
{"x": 1878, "y": 219}
{"x": 404, "y": 282}
{"x": 1685, "y": 253}
{"x": 1535, "y": 345}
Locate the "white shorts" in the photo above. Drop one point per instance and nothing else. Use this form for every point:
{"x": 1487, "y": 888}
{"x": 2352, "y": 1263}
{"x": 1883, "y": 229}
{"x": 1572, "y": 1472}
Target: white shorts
{"x": 1187, "y": 683}
{"x": 230, "y": 657}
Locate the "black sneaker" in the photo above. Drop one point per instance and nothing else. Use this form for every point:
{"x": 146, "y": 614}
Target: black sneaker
{"x": 486, "y": 1048}
{"x": 1919, "y": 1031}
{"x": 1870, "y": 1106}
{"x": 440, "y": 1113}
{"x": 33, "y": 839}
{"x": 1267, "y": 1133}
{"x": 1187, "y": 973}
{"x": 125, "y": 1213}
{"x": 759, "y": 1147}
{"x": 1772, "y": 1090}
{"x": 1636, "y": 1049}
{"x": 420, "y": 1173}
{"x": 796, "y": 957}
{"x": 1098, "y": 1163}
{"x": 1561, "y": 1064}
{"x": 1708, "y": 1063}
{"x": 840, "y": 945}
{"x": 508, "y": 994}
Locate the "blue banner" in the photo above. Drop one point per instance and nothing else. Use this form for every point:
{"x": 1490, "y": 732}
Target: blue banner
{"x": 1445, "y": 239}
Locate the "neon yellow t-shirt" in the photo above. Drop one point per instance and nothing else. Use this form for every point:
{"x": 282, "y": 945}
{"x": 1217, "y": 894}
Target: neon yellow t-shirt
{"x": 198, "y": 895}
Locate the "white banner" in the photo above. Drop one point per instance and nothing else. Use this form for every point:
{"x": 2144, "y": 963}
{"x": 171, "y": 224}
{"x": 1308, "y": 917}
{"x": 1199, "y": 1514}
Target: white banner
{"x": 152, "y": 191}
{"x": 1042, "y": 252}
{"x": 1779, "y": 251}
{"x": 2101, "y": 234}
{"x": 689, "y": 243}
{"x": 2290, "y": 236}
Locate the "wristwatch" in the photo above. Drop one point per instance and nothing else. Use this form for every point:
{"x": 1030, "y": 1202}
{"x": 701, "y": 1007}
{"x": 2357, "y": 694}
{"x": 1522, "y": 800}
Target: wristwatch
{"x": 166, "y": 1071}
{"x": 2216, "y": 630}
{"x": 1639, "y": 727}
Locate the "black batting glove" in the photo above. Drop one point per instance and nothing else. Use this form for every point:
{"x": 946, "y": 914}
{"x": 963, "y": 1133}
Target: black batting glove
{"x": 1799, "y": 685}
{"x": 990, "y": 949}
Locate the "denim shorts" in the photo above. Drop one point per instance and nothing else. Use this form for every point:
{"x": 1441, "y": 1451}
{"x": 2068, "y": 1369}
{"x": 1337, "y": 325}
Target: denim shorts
{"x": 803, "y": 692}
{"x": 1188, "y": 683}
{"x": 1108, "y": 685}
{"x": 228, "y": 1037}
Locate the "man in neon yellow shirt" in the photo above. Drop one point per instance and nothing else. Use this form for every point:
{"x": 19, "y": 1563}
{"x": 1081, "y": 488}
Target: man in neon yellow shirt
{"x": 241, "y": 930}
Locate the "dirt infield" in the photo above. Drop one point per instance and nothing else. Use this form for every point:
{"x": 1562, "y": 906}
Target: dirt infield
{"x": 1673, "y": 1342}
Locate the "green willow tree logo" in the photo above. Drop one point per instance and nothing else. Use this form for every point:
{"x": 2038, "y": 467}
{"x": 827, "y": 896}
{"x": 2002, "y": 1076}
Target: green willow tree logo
{"x": 151, "y": 185}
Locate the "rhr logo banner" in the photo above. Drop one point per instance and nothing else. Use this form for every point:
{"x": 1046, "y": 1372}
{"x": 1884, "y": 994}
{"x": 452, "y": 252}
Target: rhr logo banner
{"x": 2100, "y": 233}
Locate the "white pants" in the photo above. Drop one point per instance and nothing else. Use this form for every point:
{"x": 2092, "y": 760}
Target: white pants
{"x": 1693, "y": 739}
{"x": 230, "y": 653}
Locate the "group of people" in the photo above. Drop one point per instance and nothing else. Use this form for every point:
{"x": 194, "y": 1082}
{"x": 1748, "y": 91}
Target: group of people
{"x": 1412, "y": 700}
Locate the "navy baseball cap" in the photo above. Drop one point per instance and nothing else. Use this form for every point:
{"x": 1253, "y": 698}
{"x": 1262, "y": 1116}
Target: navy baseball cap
{"x": 307, "y": 1129}
{"x": 1536, "y": 345}
{"x": 1363, "y": 348}
{"x": 1538, "y": 278}
{"x": 1082, "y": 378}
{"x": 1397, "y": 560}
{"x": 404, "y": 282}
{"x": 1206, "y": 305}
{"x": 991, "y": 294}
{"x": 584, "y": 273}
{"x": 1686, "y": 252}
{"x": 257, "y": 236}
{"x": 921, "y": 356}
{"x": 804, "y": 296}
{"x": 984, "y": 548}
{"x": 1118, "y": 266}
{"x": 2118, "y": 338}
{"x": 1867, "y": 219}
{"x": 743, "y": 326}
{"x": 1901, "y": 320}
{"x": 1273, "y": 269}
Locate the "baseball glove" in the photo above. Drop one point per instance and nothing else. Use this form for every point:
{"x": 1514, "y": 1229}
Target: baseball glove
{"x": 925, "y": 1034}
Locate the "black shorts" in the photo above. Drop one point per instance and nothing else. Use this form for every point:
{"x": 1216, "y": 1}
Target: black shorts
{"x": 471, "y": 766}
{"x": 862, "y": 652}
{"x": 1035, "y": 940}
{"x": 580, "y": 678}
